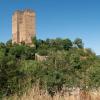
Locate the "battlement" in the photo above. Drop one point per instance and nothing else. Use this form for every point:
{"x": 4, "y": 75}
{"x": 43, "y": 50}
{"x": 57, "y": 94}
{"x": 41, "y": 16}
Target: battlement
{"x": 29, "y": 11}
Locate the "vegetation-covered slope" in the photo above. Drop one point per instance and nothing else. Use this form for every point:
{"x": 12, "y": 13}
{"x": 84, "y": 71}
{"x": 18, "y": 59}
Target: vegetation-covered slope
{"x": 69, "y": 65}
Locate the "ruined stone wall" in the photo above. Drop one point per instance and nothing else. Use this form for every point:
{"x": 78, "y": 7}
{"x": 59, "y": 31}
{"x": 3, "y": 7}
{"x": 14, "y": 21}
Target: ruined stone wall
{"x": 40, "y": 58}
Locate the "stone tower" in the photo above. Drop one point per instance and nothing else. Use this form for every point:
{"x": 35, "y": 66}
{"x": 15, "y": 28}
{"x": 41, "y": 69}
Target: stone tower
{"x": 23, "y": 26}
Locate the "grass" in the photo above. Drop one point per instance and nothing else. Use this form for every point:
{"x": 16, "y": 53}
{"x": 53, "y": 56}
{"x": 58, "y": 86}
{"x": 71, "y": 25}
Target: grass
{"x": 36, "y": 94}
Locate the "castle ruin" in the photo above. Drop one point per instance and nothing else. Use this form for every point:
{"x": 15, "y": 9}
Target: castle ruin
{"x": 23, "y": 26}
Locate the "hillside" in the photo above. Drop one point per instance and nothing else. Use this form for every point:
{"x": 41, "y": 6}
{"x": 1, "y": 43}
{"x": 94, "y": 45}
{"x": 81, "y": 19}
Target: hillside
{"x": 68, "y": 66}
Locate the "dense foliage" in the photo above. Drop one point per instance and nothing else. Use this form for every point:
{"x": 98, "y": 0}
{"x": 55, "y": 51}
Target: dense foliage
{"x": 69, "y": 65}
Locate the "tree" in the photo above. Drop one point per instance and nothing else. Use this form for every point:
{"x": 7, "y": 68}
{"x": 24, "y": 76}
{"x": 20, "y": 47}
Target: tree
{"x": 22, "y": 52}
{"x": 78, "y": 43}
{"x": 9, "y": 43}
{"x": 2, "y": 45}
{"x": 34, "y": 41}
{"x": 67, "y": 43}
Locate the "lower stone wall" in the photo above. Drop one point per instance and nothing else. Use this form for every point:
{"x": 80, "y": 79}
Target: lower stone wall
{"x": 40, "y": 58}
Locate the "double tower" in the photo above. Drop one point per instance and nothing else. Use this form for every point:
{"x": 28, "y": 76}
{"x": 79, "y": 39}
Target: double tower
{"x": 23, "y": 26}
